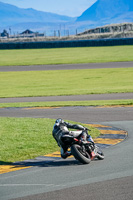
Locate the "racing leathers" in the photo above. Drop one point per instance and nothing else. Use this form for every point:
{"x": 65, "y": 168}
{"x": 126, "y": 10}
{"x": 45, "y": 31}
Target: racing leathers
{"x": 61, "y": 128}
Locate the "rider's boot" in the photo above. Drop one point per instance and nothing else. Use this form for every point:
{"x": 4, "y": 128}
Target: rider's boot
{"x": 65, "y": 154}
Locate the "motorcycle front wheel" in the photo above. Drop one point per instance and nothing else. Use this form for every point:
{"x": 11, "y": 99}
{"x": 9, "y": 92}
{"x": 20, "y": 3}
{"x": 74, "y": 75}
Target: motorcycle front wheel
{"x": 80, "y": 154}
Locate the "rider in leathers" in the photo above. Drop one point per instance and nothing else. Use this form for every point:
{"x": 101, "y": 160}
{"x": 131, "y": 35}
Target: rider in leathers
{"x": 61, "y": 128}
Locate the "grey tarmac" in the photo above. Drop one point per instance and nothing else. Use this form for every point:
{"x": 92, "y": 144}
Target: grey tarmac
{"x": 66, "y": 66}
{"x": 113, "y": 188}
{"x": 81, "y": 114}
{"x": 113, "y": 96}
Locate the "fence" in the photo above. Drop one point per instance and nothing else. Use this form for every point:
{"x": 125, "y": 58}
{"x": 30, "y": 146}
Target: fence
{"x": 70, "y": 43}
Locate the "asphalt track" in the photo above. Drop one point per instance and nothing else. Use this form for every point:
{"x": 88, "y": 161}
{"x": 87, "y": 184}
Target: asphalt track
{"x": 66, "y": 66}
{"x": 109, "y": 179}
{"x": 113, "y": 96}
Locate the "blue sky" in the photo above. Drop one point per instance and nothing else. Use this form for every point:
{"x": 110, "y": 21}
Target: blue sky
{"x": 71, "y": 8}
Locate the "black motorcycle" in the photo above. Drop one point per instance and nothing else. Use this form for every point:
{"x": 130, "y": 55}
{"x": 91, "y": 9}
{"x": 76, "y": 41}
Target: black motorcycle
{"x": 81, "y": 150}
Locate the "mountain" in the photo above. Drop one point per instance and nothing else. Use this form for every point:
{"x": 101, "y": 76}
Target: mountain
{"x": 11, "y": 15}
{"x": 108, "y": 10}
{"x": 102, "y": 12}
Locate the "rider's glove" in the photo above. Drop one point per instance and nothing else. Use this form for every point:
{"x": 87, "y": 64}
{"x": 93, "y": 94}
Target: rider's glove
{"x": 87, "y": 129}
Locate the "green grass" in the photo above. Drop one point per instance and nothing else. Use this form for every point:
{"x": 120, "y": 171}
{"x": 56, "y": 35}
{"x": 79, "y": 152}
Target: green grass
{"x": 66, "y": 55}
{"x": 66, "y": 82}
{"x": 27, "y": 138}
{"x": 122, "y": 102}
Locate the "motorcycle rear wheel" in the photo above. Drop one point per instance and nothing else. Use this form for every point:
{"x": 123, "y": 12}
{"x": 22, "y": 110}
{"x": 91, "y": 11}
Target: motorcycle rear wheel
{"x": 79, "y": 155}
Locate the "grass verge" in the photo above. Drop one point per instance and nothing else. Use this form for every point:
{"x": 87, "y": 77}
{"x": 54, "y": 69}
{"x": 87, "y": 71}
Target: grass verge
{"x": 66, "y": 82}
{"x": 27, "y": 138}
{"x": 66, "y": 55}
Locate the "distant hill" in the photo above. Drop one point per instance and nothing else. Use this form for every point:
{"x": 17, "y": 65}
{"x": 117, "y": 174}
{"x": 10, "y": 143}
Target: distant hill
{"x": 109, "y": 10}
{"x": 102, "y": 12}
{"x": 11, "y": 15}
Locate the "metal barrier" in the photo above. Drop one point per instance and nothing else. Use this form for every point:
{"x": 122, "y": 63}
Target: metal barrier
{"x": 70, "y": 43}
